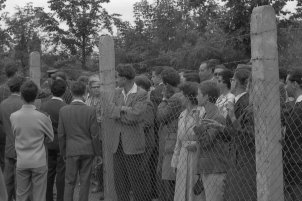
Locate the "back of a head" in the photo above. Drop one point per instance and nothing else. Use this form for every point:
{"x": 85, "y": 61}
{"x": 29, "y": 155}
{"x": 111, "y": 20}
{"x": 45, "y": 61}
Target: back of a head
{"x": 242, "y": 75}
{"x": 126, "y": 70}
{"x": 282, "y": 74}
{"x": 29, "y": 91}
{"x": 143, "y": 82}
{"x": 295, "y": 75}
{"x": 14, "y": 84}
{"x": 190, "y": 91}
{"x": 170, "y": 76}
{"x": 192, "y": 77}
{"x": 11, "y": 70}
{"x": 58, "y": 88}
{"x": 211, "y": 89}
{"x": 78, "y": 89}
{"x": 226, "y": 76}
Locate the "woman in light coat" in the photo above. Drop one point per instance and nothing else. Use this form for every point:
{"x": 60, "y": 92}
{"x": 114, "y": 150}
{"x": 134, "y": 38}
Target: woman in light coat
{"x": 186, "y": 150}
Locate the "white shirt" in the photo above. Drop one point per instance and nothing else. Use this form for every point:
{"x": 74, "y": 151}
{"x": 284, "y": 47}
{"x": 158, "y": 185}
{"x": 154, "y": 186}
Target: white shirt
{"x": 57, "y": 98}
{"x": 239, "y": 96}
{"x": 223, "y": 101}
{"x": 299, "y": 99}
{"x": 133, "y": 90}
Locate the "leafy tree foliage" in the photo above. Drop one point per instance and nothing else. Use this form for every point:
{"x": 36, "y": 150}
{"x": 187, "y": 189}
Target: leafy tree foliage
{"x": 85, "y": 19}
{"x": 22, "y": 33}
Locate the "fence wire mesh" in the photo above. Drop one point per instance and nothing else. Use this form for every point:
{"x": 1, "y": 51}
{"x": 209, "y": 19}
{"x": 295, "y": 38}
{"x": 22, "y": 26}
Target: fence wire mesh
{"x": 202, "y": 141}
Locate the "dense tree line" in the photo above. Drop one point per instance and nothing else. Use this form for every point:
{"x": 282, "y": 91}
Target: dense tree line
{"x": 178, "y": 33}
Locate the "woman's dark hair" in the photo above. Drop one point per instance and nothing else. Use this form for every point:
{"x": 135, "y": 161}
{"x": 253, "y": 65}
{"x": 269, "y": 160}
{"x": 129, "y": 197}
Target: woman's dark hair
{"x": 190, "y": 91}
{"x": 192, "y": 77}
{"x": 295, "y": 75}
{"x": 126, "y": 70}
{"x": 14, "y": 84}
{"x": 29, "y": 91}
{"x": 242, "y": 75}
{"x": 210, "y": 88}
{"x": 170, "y": 76}
{"x": 78, "y": 89}
{"x": 58, "y": 88}
{"x": 143, "y": 82}
{"x": 11, "y": 70}
{"x": 227, "y": 76}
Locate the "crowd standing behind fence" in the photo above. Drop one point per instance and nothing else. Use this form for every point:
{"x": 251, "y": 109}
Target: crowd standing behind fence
{"x": 210, "y": 135}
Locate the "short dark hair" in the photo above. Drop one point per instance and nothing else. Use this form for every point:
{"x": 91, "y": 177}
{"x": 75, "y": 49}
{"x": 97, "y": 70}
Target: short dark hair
{"x": 192, "y": 77}
{"x": 227, "y": 76}
{"x": 29, "y": 91}
{"x": 84, "y": 79}
{"x": 170, "y": 76}
{"x": 282, "y": 73}
{"x": 210, "y": 88}
{"x": 212, "y": 63}
{"x": 295, "y": 75}
{"x": 158, "y": 70}
{"x": 78, "y": 89}
{"x": 242, "y": 75}
{"x": 61, "y": 75}
{"x": 14, "y": 84}
{"x": 126, "y": 70}
{"x": 58, "y": 88}
{"x": 190, "y": 91}
{"x": 11, "y": 70}
{"x": 143, "y": 82}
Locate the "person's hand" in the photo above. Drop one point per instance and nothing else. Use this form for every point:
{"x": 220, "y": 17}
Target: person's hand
{"x": 199, "y": 129}
{"x": 191, "y": 148}
{"x": 231, "y": 111}
{"x": 212, "y": 124}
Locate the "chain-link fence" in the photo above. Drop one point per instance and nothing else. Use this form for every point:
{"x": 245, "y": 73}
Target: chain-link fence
{"x": 188, "y": 143}
{"x": 236, "y": 136}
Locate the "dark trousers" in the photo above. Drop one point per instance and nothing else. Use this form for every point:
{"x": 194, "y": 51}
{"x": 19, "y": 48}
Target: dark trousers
{"x": 166, "y": 189}
{"x": 56, "y": 171}
{"x": 129, "y": 176}
{"x": 75, "y": 165}
{"x": 10, "y": 177}
{"x": 2, "y": 155}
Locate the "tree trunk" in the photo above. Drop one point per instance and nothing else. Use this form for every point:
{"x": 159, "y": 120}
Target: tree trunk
{"x": 83, "y": 59}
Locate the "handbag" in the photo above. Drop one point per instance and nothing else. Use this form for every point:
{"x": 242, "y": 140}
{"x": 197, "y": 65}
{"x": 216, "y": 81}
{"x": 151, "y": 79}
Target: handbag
{"x": 198, "y": 187}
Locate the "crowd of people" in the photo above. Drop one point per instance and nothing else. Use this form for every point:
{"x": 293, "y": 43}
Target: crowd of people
{"x": 179, "y": 136}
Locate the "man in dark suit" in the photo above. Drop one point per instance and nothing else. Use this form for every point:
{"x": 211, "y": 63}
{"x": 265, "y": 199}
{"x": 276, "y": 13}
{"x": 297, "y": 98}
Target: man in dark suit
{"x": 292, "y": 141}
{"x": 78, "y": 139}
{"x": 156, "y": 94}
{"x": 56, "y": 164}
{"x": 7, "y": 107}
{"x": 128, "y": 147}
{"x": 10, "y": 72}
{"x": 67, "y": 96}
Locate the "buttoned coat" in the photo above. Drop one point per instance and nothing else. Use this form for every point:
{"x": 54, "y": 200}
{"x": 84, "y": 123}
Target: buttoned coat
{"x": 129, "y": 121}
